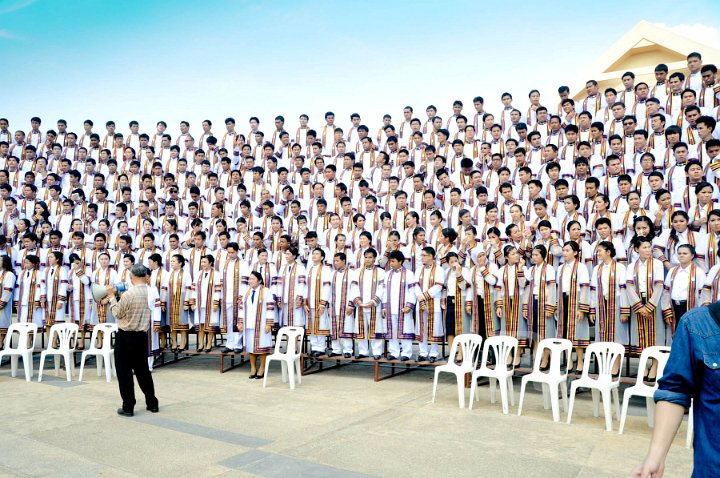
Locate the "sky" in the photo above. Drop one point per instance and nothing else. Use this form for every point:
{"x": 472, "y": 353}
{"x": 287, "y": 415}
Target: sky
{"x": 189, "y": 60}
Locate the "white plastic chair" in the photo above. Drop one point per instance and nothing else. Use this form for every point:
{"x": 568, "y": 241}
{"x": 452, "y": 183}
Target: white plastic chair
{"x": 503, "y": 346}
{"x": 103, "y": 355}
{"x": 661, "y": 354}
{"x": 469, "y": 345}
{"x": 290, "y": 359}
{"x": 67, "y": 336}
{"x": 605, "y": 355}
{"x": 553, "y": 379}
{"x": 22, "y": 332}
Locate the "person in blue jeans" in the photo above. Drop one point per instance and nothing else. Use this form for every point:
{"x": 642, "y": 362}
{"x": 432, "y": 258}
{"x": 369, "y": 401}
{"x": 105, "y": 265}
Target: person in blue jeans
{"x": 692, "y": 373}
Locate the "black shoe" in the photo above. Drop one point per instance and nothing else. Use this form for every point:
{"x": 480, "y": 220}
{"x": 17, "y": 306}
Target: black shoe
{"x": 226, "y": 350}
{"x": 545, "y": 368}
{"x": 361, "y": 356}
{"x": 422, "y": 358}
{"x": 404, "y": 358}
{"x": 333, "y": 354}
{"x": 391, "y": 357}
{"x": 123, "y": 413}
{"x": 238, "y": 351}
{"x": 252, "y": 376}
{"x": 651, "y": 379}
{"x": 377, "y": 357}
{"x": 433, "y": 359}
{"x": 347, "y": 355}
{"x": 259, "y": 377}
{"x": 616, "y": 375}
{"x": 317, "y": 353}
{"x": 154, "y": 409}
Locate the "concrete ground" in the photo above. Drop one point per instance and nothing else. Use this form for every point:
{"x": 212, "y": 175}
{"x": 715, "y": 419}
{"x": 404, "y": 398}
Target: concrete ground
{"x": 337, "y": 423}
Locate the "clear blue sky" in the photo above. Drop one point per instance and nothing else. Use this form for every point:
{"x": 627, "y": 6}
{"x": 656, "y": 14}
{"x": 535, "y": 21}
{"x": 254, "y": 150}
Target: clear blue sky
{"x": 180, "y": 59}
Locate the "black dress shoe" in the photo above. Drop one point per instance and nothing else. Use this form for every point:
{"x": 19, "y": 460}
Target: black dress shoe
{"x": 422, "y": 358}
{"x": 404, "y": 358}
{"x": 154, "y": 409}
{"x": 226, "y": 350}
{"x": 391, "y": 357}
{"x": 545, "y": 368}
{"x": 361, "y": 356}
{"x": 347, "y": 355}
{"x": 238, "y": 351}
{"x": 433, "y": 359}
{"x": 259, "y": 377}
{"x": 123, "y": 413}
{"x": 651, "y": 379}
{"x": 252, "y": 376}
{"x": 377, "y": 357}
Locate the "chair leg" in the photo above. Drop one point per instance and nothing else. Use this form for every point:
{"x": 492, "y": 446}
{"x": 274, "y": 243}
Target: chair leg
{"x": 82, "y": 366}
{"x": 473, "y": 390}
{"x": 493, "y": 385}
{"x": 108, "y": 368}
{"x": 573, "y": 388}
{"x": 42, "y": 366}
{"x": 623, "y": 414}
{"x": 68, "y": 366}
{"x": 650, "y": 405}
{"x": 523, "y": 383}
{"x": 504, "y": 395}
{"x": 14, "y": 365}
{"x": 298, "y": 371}
{"x": 283, "y": 367}
{"x": 607, "y": 408}
{"x": 28, "y": 365}
{"x": 435, "y": 380}
{"x": 564, "y": 395}
{"x": 511, "y": 390}
{"x": 596, "y": 402}
{"x": 265, "y": 373}
{"x": 690, "y": 430}
{"x": 616, "y": 402}
{"x": 291, "y": 375}
{"x": 461, "y": 390}
{"x": 554, "y": 402}
{"x": 546, "y": 395}
{"x": 100, "y": 362}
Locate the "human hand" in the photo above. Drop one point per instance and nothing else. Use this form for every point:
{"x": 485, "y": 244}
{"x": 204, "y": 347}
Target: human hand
{"x": 650, "y": 468}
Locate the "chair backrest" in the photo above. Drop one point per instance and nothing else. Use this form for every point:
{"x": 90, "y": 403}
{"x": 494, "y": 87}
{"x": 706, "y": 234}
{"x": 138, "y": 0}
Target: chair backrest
{"x": 469, "y": 346}
{"x": 605, "y": 355}
{"x": 107, "y": 331}
{"x": 503, "y": 346}
{"x": 557, "y": 348}
{"x": 23, "y": 329}
{"x": 294, "y": 336}
{"x": 659, "y": 353}
{"x": 66, "y": 332}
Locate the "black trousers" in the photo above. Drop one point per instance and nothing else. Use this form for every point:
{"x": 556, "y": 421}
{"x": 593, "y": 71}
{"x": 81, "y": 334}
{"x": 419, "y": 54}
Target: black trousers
{"x": 131, "y": 356}
{"x": 679, "y": 309}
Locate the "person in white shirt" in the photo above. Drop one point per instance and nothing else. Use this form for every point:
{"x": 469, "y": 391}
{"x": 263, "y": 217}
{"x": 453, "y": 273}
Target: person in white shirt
{"x": 683, "y": 289}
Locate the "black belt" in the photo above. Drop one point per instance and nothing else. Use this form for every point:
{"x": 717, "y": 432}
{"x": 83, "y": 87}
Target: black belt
{"x": 679, "y": 302}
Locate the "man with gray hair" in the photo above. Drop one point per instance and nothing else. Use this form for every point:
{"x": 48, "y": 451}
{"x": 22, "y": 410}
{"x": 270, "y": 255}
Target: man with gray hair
{"x": 133, "y": 316}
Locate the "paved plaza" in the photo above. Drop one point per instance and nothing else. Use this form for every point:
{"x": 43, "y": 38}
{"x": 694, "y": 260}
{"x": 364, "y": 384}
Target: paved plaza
{"x": 338, "y": 423}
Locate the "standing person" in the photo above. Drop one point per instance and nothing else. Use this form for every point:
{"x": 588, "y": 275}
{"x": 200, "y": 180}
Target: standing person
{"x": 540, "y": 302}
{"x": 257, "y": 317}
{"x": 7, "y": 282}
{"x": 29, "y": 291}
{"x": 206, "y": 303}
{"x": 369, "y": 287}
{"x": 484, "y": 277}
{"x": 176, "y": 297}
{"x": 133, "y": 316}
{"x": 508, "y": 298}
{"x": 690, "y": 377}
{"x": 645, "y": 279}
{"x": 608, "y": 301}
{"x": 235, "y": 274}
{"x": 683, "y": 287}
{"x": 398, "y": 307}
{"x": 55, "y": 281}
{"x": 319, "y": 279}
{"x": 573, "y": 302}
{"x": 429, "y": 325}
{"x": 81, "y": 303}
{"x": 342, "y": 310}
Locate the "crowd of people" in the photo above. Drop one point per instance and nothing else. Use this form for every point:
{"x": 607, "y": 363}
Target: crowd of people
{"x": 587, "y": 220}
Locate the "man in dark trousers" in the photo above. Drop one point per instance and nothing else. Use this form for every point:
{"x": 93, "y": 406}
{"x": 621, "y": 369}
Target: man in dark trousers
{"x": 133, "y": 316}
